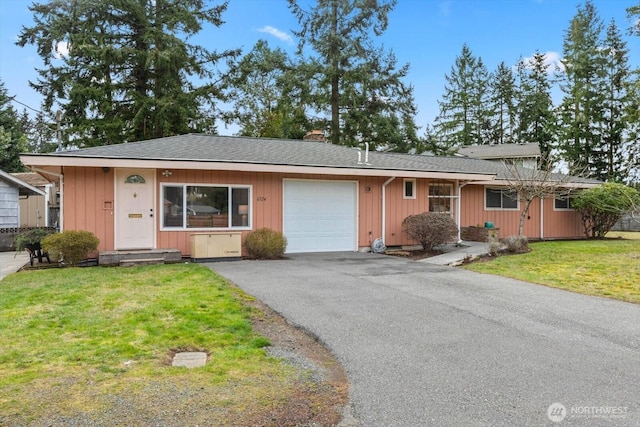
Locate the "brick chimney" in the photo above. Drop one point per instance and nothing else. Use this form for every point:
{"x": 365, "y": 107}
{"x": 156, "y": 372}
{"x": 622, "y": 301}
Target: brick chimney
{"x": 314, "y": 135}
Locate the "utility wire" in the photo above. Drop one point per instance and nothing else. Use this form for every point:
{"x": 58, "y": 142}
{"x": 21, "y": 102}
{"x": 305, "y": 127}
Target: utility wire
{"x": 13, "y": 98}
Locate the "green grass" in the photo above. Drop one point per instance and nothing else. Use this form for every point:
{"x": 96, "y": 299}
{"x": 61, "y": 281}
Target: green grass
{"x": 608, "y": 268}
{"x": 90, "y": 333}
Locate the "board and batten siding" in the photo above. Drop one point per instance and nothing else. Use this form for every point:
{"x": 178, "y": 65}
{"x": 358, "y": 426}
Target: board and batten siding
{"x": 89, "y": 205}
{"x": 558, "y": 224}
{"x": 88, "y": 199}
{"x": 9, "y": 205}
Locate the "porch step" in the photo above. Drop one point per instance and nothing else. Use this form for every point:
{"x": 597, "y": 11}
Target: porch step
{"x": 118, "y": 257}
{"x": 140, "y": 261}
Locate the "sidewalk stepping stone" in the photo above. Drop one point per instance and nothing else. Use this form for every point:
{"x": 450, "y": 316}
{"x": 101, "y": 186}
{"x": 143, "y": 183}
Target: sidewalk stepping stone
{"x": 190, "y": 359}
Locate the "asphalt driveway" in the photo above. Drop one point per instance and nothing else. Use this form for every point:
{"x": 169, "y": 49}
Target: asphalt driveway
{"x": 429, "y": 345}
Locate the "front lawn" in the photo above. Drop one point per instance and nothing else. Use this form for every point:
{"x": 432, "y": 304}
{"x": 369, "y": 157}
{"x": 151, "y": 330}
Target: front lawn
{"x": 94, "y": 345}
{"x": 608, "y": 268}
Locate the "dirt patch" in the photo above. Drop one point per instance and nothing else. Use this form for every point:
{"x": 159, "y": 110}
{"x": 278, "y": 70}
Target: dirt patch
{"x": 414, "y": 254}
{"x": 319, "y": 402}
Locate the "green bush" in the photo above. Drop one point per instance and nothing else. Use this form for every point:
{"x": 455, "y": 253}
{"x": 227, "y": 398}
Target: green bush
{"x": 265, "y": 244}
{"x": 31, "y": 237}
{"x": 602, "y": 206}
{"x": 71, "y": 246}
{"x": 430, "y": 229}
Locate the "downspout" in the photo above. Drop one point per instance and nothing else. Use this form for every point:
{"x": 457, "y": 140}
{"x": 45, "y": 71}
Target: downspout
{"x": 541, "y": 218}
{"x": 458, "y": 204}
{"x": 61, "y": 177}
{"x": 384, "y": 208}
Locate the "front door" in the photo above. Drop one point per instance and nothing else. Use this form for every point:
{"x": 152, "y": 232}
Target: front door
{"x": 135, "y": 216}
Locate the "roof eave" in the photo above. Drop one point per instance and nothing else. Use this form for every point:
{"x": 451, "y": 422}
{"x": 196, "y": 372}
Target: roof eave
{"x": 77, "y": 161}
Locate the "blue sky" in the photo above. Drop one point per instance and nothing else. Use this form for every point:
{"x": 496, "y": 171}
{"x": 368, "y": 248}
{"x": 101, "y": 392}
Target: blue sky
{"x": 427, "y": 34}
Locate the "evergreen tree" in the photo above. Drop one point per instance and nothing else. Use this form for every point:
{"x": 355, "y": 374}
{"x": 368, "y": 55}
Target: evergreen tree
{"x": 12, "y": 139}
{"x": 503, "y": 96}
{"x": 611, "y": 162}
{"x": 266, "y": 91}
{"x": 127, "y": 72}
{"x": 355, "y": 85}
{"x": 462, "y": 115}
{"x": 633, "y": 163}
{"x": 536, "y": 121}
{"x": 581, "y": 110}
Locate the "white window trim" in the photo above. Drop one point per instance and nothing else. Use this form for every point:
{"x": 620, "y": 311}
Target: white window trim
{"x": 450, "y": 196}
{"x": 413, "y": 188}
{"x": 486, "y": 208}
{"x": 200, "y": 184}
{"x": 555, "y": 197}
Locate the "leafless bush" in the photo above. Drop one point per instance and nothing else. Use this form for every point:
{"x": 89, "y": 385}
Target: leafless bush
{"x": 516, "y": 244}
{"x": 430, "y": 229}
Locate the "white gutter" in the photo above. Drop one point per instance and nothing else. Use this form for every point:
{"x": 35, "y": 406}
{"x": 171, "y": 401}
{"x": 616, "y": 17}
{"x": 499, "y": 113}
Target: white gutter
{"x": 458, "y": 204}
{"x": 384, "y": 208}
{"x": 61, "y": 177}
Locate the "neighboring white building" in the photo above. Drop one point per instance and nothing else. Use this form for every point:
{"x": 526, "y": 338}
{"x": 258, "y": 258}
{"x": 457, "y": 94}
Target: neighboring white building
{"x": 11, "y": 190}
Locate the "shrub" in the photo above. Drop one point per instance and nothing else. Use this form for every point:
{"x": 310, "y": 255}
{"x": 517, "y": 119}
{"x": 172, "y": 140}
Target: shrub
{"x": 494, "y": 247}
{"x": 31, "y": 237}
{"x": 516, "y": 244}
{"x": 602, "y": 206}
{"x": 265, "y": 244}
{"x": 430, "y": 229}
{"x": 71, "y": 246}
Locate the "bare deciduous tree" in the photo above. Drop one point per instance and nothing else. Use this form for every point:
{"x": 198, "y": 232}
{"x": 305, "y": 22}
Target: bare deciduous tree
{"x": 539, "y": 183}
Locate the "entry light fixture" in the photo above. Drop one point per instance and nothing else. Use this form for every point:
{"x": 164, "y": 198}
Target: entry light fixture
{"x": 167, "y": 173}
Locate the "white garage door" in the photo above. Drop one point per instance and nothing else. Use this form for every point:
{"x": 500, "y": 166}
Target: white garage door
{"x": 320, "y": 216}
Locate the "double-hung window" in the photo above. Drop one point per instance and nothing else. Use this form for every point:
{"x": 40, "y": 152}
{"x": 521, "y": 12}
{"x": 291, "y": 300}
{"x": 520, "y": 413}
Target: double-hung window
{"x": 186, "y": 206}
{"x": 440, "y": 196}
{"x": 500, "y": 198}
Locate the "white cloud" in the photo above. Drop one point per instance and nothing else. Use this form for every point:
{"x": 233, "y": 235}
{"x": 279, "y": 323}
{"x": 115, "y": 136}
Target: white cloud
{"x": 61, "y": 50}
{"x": 551, "y": 60}
{"x": 281, "y": 35}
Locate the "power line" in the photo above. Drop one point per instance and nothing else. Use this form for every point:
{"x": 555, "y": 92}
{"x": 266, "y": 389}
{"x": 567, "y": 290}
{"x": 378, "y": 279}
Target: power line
{"x": 13, "y": 98}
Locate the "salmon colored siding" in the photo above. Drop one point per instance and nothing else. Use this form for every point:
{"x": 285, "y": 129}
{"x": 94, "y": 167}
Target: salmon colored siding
{"x": 88, "y": 199}
{"x": 89, "y": 203}
{"x": 557, "y": 224}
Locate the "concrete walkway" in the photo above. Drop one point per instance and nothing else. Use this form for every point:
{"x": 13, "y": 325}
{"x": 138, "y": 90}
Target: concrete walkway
{"x": 10, "y": 262}
{"x": 456, "y": 254}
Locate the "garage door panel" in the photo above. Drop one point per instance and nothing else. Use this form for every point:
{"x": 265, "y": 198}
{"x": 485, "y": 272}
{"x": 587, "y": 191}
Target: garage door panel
{"x": 320, "y": 216}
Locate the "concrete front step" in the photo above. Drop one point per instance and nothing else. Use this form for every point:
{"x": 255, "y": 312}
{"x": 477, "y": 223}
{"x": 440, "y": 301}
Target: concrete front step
{"x": 117, "y": 257}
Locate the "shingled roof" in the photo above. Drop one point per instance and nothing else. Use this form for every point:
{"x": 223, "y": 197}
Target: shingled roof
{"x": 266, "y": 151}
{"x": 278, "y": 152}
{"x": 501, "y": 151}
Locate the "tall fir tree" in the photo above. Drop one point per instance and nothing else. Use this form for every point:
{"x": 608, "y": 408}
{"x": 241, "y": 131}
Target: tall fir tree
{"x": 356, "y": 86}
{"x": 124, "y": 71}
{"x": 633, "y": 163}
{"x": 613, "y": 152}
{"x": 537, "y": 120}
{"x": 462, "y": 116}
{"x": 581, "y": 111}
{"x": 12, "y": 138}
{"x": 503, "y": 97}
{"x": 266, "y": 92}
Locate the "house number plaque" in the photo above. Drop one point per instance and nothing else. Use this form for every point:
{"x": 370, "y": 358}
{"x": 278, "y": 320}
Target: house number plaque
{"x": 262, "y": 199}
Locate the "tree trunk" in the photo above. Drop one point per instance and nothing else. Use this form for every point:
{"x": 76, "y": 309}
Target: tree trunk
{"x": 523, "y": 217}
